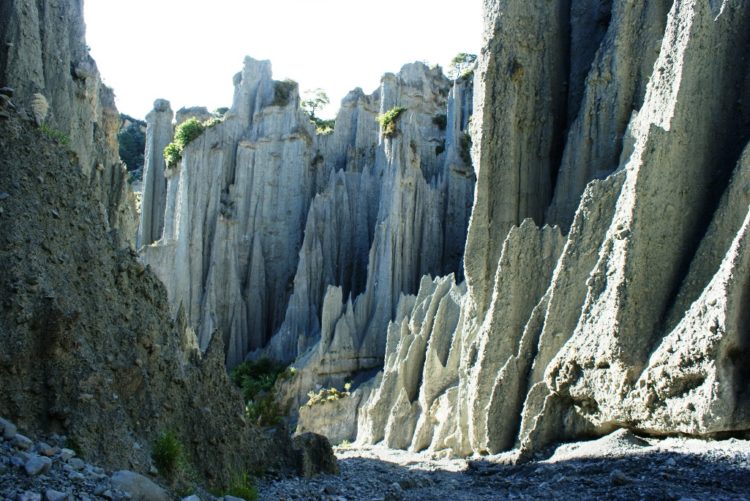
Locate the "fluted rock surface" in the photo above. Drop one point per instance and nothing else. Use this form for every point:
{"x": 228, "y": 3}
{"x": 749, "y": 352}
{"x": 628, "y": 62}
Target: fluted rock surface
{"x": 158, "y": 136}
{"x": 263, "y": 215}
{"x": 633, "y": 317}
{"x": 44, "y": 58}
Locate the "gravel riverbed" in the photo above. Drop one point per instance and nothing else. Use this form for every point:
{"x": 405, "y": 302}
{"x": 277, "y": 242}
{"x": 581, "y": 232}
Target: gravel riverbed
{"x": 618, "y": 466}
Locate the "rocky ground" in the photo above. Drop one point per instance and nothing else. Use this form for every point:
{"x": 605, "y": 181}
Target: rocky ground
{"x": 35, "y": 470}
{"x": 618, "y": 466}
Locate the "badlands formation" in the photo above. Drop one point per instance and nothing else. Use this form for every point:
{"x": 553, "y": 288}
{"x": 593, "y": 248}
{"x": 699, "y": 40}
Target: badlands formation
{"x": 605, "y": 260}
{"x": 549, "y": 248}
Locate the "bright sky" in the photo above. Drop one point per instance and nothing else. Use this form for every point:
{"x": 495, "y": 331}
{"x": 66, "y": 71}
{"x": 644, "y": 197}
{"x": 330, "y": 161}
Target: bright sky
{"x": 187, "y": 51}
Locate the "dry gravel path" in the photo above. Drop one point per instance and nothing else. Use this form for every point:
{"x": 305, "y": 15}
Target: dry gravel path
{"x": 619, "y": 466}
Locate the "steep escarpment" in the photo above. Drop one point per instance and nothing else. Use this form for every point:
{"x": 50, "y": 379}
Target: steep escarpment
{"x": 45, "y": 60}
{"x": 88, "y": 346}
{"x": 266, "y": 221}
{"x": 628, "y": 315}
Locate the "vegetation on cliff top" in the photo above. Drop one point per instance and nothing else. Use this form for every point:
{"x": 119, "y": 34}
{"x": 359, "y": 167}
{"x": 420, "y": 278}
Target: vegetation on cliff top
{"x": 185, "y": 133}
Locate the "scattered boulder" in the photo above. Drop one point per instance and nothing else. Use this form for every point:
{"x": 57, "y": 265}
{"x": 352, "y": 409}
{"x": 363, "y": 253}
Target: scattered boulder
{"x": 139, "y": 487}
{"x": 315, "y": 455}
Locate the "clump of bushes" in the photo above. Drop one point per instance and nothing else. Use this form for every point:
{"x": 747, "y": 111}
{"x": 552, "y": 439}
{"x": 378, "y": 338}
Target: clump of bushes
{"x": 327, "y": 395}
{"x": 167, "y": 453}
{"x": 257, "y": 379}
{"x": 388, "y": 120}
{"x": 440, "y": 148}
{"x": 243, "y": 487}
{"x": 184, "y": 134}
{"x": 323, "y": 127}
{"x": 282, "y": 91}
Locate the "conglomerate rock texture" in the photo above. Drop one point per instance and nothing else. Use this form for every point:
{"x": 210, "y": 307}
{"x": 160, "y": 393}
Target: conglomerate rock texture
{"x": 627, "y": 125}
{"x": 44, "y": 58}
{"x": 292, "y": 243}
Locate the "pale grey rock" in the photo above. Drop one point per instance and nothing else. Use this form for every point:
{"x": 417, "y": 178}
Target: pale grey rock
{"x": 602, "y": 102}
{"x": 631, "y": 319}
{"x": 37, "y": 465}
{"x": 22, "y": 442}
{"x": 53, "y": 495}
{"x": 422, "y": 201}
{"x": 158, "y": 135}
{"x": 200, "y": 113}
{"x": 9, "y": 429}
{"x": 29, "y": 496}
{"x": 259, "y": 271}
{"x": 138, "y": 486}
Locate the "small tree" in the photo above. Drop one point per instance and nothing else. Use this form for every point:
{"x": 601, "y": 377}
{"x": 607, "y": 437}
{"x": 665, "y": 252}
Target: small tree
{"x": 461, "y": 65}
{"x": 313, "y": 101}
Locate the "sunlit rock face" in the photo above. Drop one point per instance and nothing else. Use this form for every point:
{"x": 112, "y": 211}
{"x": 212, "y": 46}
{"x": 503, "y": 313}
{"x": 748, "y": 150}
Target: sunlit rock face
{"x": 606, "y": 261}
{"x": 46, "y": 62}
{"x": 290, "y": 243}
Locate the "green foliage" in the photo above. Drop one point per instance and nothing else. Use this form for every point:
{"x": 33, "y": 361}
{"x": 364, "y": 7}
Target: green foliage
{"x": 441, "y": 121}
{"x": 242, "y": 486}
{"x": 282, "y": 91}
{"x": 312, "y": 101}
{"x": 167, "y": 453}
{"x": 462, "y": 65}
{"x": 388, "y": 120}
{"x": 464, "y": 144}
{"x": 184, "y": 134}
{"x": 323, "y": 127}
{"x": 256, "y": 379}
{"x": 345, "y": 444}
{"x": 327, "y": 395}
{"x": 55, "y": 135}
{"x": 172, "y": 154}
{"x": 440, "y": 148}
{"x": 132, "y": 142}
{"x": 188, "y": 131}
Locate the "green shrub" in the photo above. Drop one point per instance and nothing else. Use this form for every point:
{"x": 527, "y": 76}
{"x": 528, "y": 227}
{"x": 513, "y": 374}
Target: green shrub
{"x": 323, "y": 127}
{"x": 440, "y": 148}
{"x": 242, "y": 486}
{"x": 55, "y": 135}
{"x": 172, "y": 154}
{"x": 184, "y": 134}
{"x": 167, "y": 453}
{"x": 282, "y": 91}
{"x": 327, "y": 395}
{"x": 441, "y": 121}
{"x": 256, "y": 379}
{"x": 388, "y": 120}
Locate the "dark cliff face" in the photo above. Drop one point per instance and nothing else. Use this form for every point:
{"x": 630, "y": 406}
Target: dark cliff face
{"x": 87, "y": 345}
{"x": 44, "y": 53}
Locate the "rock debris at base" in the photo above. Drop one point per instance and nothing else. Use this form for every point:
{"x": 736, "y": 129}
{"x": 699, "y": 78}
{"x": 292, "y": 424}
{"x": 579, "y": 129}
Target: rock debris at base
{"x": 36, "y": 470}
{"x": 618, "y": 466}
